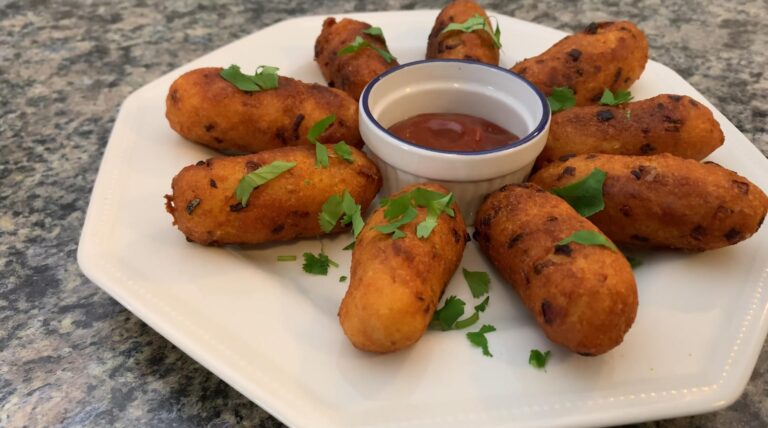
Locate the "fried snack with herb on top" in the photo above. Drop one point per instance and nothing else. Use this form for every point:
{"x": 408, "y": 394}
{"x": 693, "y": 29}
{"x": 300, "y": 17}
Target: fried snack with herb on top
{"x": 674, "y": 124}
{"x": 205, "y": 209}
{"x": 206, "y": 109}
{"x": 477, "y": 45}
{"x": 350, "y": 72}
{"x": 664, "y": 201}
{"x": 396, "y": 284}
{"x": 584, "y": 297}
{"x": 605, "y": 55}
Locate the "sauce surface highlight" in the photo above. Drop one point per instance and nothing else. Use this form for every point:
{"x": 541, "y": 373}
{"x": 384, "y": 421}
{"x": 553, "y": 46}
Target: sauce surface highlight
{"x": 452, "y": 131}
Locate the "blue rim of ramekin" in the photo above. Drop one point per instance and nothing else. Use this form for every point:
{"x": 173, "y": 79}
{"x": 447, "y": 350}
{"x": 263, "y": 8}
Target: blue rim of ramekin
{"x": 530, "y": 136}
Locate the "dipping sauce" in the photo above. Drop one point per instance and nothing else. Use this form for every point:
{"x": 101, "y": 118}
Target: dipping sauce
{"x": 452, "y": 131}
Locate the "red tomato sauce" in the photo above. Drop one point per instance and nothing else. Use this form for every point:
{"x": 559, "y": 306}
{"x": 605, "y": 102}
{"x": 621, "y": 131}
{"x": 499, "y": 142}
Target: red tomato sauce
{"x": 452, "y": 131}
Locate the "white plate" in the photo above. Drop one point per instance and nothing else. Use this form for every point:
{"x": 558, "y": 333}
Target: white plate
{"x": 270, "y": 330}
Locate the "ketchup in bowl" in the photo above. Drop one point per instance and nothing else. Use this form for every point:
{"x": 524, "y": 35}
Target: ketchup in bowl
{"x": 452, "y": 132}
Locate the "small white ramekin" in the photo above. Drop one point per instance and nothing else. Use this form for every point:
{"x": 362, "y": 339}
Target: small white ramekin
{"x": 453, "y": 86}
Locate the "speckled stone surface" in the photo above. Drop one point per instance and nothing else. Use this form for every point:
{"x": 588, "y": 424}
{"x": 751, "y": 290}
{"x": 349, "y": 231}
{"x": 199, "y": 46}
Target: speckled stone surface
{"x": 69, "y": 354}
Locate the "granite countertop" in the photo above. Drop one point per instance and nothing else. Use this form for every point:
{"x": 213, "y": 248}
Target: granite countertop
{"x": 72, "y": 356}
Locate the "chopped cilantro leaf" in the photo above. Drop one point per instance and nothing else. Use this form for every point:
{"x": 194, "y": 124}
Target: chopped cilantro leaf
{"x": 342, "y": 149}
{"x": 634, "y": 261}
{"x": 445, "y": 317}
{"x": 611, "y": 99}
{"x": 258, "y": 177}
{"x": 482, "y": 306}
{"x": 286, "y": 258}
{"x": 478, "y": 282}
{"x": 561, "y": 99}
{"x": 264, "y": 78}
{"x": 317, "y": 264}
{"x": 374, "y": 31}
{"x": 334, "y": 207}
{"x": 393, "y": 226}
{"x": 342, "y": 278}
{"x": 588, "y": 237}
{"x": 350, "y": 246}
{"x": 330, "y": 213}
{"x": 321, "y": 152}
{"x": 478, "y": 338}
{"x": 538, "y": 359}
{"x": 467, "y": 322}
{"x": 360, "y": 43}
{"x": 585, "y": 195}
{"x": 474, "y": 23}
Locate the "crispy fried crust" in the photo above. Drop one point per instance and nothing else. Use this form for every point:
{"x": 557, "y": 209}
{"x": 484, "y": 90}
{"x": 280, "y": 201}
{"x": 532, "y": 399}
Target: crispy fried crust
{"x": 674, "y": 124}
{"x": 477, "y": 45}
{"x": 605, "y": 55}
{"x": 583, "y": 297}
{"x": 350, "y": 72}
{"x": 666, "y": 202}
{"x": 204, "y": 207}
{"x": 208, "y": 110}
{"x": 396, "y": 284}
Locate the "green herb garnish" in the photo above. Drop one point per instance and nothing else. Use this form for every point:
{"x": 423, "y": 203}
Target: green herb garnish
{"x": 634, "y": 261}
{"x": 478, "y": 282}
{"x": 611, "y": 99}
{"x": 585, "y": 195}
{"x": 258, "y": 177}
{"x": 403, "y": 207}
{"x": 342, "y": 149}
{"x": 445, "y": 317}
{"x": 317, "y": 264}
{"x": 334, "y": 207}
{"x": 474, "y": 23}
{"x": 482, "y": 306}
{"x": 342, "y": 278}
{"x": 321, "y": 152}
{"x": 539, "y": 359}
{"x": 478, "y": 338}
{"x": 374, "y": 31}
{"x": 350, "y": 246}
{"x": 562, "y": 98}
{"x": 286, "y": 258}
{"x": 589, "y": 237}
{"x": 360, "y": 43}
{"x": 264, "y": 78}
{"x": 395, "y": 223}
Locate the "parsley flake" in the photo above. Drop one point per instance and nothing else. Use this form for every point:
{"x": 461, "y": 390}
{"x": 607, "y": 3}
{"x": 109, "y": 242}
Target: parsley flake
{"x": 342, "y": 278}
{"x": 611, "y": 99}
{"x": 360, "y": 43}
{"x": 317, "y": 264}
{"x": 342, "y": 149}
{"x": 445, "y": 317}
{"x": 478, "y": 282}
{"x": 482, "y": 306}
{"x": 374, "y": 31}
{"x": 334, "y": 207}
{"x": 264, "y": 78}
{"x": 394, "y": 225}
{"x": 538, "y": 359}
{"x": 258, "y": 177}
{"x": 321, "y": 152}
{"x": 589, "y": 237}
{"x": 585, "y": 195}
{"x": 474, "y": 23}
{"x": 478, "y": 338}
{"x": 561, "y": 99}
{"x": 634, "y": 261}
